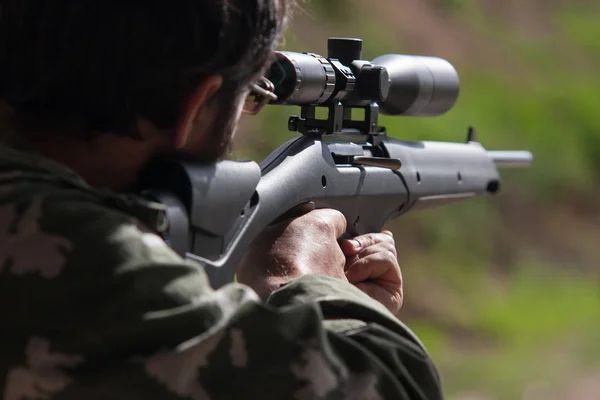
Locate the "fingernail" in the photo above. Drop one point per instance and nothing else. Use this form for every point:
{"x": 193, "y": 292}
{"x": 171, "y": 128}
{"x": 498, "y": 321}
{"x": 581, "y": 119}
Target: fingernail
{"x": 356, "y": 244}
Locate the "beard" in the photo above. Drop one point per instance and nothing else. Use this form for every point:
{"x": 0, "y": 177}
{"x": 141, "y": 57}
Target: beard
{"x": 210, "y": 149}
{"x": 217, "y": 144}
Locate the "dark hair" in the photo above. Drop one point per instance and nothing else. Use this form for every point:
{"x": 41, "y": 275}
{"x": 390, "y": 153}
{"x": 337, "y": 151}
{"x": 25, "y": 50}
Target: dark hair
{"x": 101, "y": 63}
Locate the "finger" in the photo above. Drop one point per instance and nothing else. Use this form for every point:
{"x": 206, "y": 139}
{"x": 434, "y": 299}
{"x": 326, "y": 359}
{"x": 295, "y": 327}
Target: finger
{"x": 354, "y": 246}
{"x": 329, "y": 219}
{"x": 381, "y": 267}
{"x": 296, "y": 212}
{"x": 378, "y": 248}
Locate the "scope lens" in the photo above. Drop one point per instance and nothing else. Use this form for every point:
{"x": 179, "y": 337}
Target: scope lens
{"x": 283, "y": 75}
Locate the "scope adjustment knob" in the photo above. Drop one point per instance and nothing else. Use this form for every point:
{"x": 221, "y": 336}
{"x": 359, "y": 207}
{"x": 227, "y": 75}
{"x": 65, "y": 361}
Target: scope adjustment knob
{"x": 373, "y": 83}
{"x": 346, "y": 50}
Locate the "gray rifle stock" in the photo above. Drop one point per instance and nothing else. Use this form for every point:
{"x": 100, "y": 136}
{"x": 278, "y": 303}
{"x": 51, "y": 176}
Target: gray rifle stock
{"x": 216, "y": 211}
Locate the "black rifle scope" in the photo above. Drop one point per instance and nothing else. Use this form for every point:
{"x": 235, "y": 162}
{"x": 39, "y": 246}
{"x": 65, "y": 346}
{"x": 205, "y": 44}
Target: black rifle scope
{"x": 401, "y": 84}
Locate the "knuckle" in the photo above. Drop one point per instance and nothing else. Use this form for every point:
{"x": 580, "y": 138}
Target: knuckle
{"x": 397, "y": 302}
{"x": 367, "y": 240}
{"x": 379, "y": 248}
{"x": 321, "y": 223}
{"x": 391, "y": 248}
{"x": 385, "y": 238}
{"x": 383, "y": 253}
{"x": 375, "y": 238}
{"x": 316, "y": 220}
{"x": 390, "y": 258}
{"x": 329, "y": 220}
{"x": 340, "y": 220}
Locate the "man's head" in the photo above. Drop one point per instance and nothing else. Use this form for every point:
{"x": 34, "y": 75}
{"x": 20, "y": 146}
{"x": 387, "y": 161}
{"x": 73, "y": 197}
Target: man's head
{"x": 127, "y": 67}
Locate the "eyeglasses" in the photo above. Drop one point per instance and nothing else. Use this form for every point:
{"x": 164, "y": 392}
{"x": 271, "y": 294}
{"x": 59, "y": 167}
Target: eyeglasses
{"x": 261, "y": 93}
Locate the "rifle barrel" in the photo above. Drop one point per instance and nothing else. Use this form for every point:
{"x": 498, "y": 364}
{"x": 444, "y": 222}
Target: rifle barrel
{"x": 511, "y": 158}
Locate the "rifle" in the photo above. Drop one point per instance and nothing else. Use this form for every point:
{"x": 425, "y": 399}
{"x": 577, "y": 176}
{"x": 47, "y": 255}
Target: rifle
{"x": 342, "y": 162}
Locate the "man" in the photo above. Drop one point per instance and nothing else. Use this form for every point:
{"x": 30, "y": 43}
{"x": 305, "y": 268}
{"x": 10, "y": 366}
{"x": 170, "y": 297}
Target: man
{"x": 94, "y": 304}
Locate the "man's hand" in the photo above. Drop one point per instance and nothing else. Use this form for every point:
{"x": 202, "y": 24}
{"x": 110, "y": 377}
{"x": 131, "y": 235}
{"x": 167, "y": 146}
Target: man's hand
{"x": 372, "y": 265}
{"x": 306, "y": 243}
{"x": 297, "y": 246}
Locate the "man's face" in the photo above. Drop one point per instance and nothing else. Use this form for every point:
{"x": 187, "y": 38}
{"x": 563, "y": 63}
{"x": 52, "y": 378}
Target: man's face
{"x": 212, "y": 137}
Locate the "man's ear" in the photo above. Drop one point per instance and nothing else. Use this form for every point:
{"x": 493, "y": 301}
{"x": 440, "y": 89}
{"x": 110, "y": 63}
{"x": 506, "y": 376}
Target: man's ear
{"x": 193, "y": 107}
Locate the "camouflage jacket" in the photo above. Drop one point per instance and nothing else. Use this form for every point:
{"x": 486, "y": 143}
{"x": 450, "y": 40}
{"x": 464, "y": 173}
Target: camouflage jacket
{"x": 94, "y": 305}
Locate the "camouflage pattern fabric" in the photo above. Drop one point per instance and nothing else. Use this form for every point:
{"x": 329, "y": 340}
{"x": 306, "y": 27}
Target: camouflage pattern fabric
{"x": 94, "y": 305}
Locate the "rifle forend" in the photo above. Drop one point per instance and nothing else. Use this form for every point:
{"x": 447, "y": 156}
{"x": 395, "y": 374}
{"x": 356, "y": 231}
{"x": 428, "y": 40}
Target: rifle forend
{"x": 215, "y": 211}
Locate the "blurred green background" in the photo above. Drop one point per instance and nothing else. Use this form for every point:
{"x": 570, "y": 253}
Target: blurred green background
{"x": 504, "y": 291}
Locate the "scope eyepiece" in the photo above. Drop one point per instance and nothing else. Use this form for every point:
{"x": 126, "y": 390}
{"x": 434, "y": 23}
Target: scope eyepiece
{"x": 301, "y": 78}
{"x": 400, "y": 84}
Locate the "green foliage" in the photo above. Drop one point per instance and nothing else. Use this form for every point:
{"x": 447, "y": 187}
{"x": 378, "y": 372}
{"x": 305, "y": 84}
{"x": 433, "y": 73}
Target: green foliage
{"x": 538, "y": 328}
{"x": 580, "y": 26}
{"x": 539, "y": 308}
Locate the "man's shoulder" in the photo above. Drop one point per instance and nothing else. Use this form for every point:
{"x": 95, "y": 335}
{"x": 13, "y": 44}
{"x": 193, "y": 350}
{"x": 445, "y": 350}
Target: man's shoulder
{"x": 28, "y": 178}
{"x": 54, "y": 220}
{"x": 30, "y": 195}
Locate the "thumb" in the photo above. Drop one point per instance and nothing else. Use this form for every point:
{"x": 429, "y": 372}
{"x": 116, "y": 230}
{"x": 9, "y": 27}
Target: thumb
{"x": 333, "y": 219}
